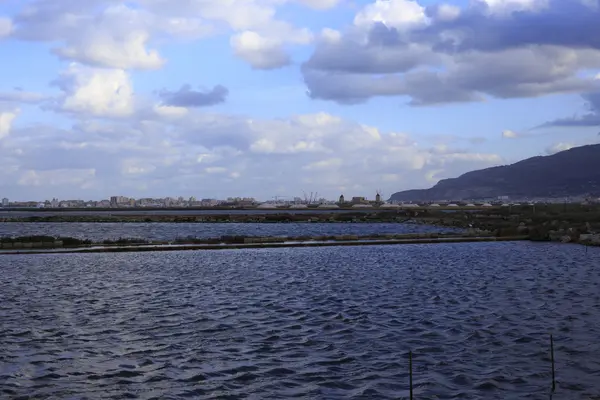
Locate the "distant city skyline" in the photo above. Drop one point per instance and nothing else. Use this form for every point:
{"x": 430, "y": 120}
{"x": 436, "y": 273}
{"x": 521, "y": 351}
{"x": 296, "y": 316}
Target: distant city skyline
{"x": 148, "y": 98}
{"x": 307, "y": 198}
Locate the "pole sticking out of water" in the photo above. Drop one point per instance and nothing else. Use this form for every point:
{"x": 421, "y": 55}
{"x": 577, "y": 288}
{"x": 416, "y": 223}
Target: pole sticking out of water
{"x": 552, "y": 360}
{"x": 410, "y": 374}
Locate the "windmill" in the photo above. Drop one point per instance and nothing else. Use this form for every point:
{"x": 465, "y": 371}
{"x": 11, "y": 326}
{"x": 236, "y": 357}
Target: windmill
{"x": 378, "y": 196}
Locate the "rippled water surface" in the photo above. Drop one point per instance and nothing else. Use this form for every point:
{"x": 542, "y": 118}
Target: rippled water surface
{"x": 323, "y": 323}
{"x": 170, "y": 231}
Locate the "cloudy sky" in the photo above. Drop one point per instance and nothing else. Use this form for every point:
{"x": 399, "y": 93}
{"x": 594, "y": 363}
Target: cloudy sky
{"x": 217, "y": 98}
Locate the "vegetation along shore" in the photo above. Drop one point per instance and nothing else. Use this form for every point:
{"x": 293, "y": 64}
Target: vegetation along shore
{"x": 542, "y": 222}
{"x": 124, "y": 245}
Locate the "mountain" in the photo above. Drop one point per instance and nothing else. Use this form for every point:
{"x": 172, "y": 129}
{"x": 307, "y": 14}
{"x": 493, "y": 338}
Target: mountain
{"x": 573, "y": 172}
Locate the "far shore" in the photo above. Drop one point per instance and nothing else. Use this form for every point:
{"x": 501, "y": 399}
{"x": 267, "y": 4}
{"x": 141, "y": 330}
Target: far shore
{"x": 567, "y": 223}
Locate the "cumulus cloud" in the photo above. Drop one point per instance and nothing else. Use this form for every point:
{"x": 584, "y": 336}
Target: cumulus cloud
{"x": 200, "y": 153}
{"x": 398, "y": 14}
{"x": 115, "y": 37}
{"x": 259, "y": 51}
{"x": 95, "y": 92}
{"x": 187, "y": 97}
{"x": 124, "y": 35}
{"x": 6, "y": 121}
{"x": 443, "y": 54}
{"x": 126, "y": 52}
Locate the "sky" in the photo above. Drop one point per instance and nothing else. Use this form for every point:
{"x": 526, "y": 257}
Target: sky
{"x": 265, "y": 98}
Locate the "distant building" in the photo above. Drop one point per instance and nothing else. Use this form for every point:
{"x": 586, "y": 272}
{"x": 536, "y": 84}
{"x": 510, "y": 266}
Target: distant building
{"x": 5, "y": 202}
{"x": 342, "y": 200}
{"x": 117, "y": 201}
{"x": 209, "y": 202}
{"x": 359, "y": 200}
{"x": 378, "y": 198}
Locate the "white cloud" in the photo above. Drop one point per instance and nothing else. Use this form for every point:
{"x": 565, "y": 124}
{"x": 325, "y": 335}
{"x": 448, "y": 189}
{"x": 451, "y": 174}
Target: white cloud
{"x": 125, "y": 143}
{"x": 135, "y": 166}
{"x": 320, "y": 4}
{"x": 170, "y": 111}
{"x": 448, "y": 12}
{"x": 508, "y": 134}
{"x": 6, "y": 121}
{"x": 258, "y": 36}
{"x": 102, "y": 34}
{"x": 198, "y": 153}
{"x": 103, "y": 49}
{"x": 446, "y": 54}
{"x": 215, "y": 170}
{"x": 97, "y": 92}
{"x": 79, "y": 178}
{"x": 266, "y": 48}
{"x": 6, "y": 27}
{"x": 259, "y": 51}
{"x": 331, "y": 35}
{"x": 327, "y": 164}
{"x": 127, "y": 35}
{"x": 399, "y": 14}
{"x": 504, "y": 7}
{"x": 558, "y": 147}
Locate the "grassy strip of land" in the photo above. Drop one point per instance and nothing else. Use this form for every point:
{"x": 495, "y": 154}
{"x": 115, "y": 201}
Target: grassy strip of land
{"x": 282, "y": 217}
{"x": 231, "y": 246}
{"x": 70, "y": 242}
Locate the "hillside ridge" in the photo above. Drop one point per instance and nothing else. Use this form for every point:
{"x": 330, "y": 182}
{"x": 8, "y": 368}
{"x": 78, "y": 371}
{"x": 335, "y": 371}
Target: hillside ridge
{"x": 573, "y": 172}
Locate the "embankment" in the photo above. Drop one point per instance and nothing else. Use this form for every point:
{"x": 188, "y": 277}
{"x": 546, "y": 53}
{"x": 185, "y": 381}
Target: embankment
{"x": 261, "y": 245}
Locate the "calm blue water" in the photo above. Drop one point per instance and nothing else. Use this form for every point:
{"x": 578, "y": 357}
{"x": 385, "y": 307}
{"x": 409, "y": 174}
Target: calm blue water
{"x": 170, "y": 231}
{"x": 322, "y": 323}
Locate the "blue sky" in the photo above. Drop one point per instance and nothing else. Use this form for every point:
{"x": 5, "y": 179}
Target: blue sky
{"x": 263, "y": 98}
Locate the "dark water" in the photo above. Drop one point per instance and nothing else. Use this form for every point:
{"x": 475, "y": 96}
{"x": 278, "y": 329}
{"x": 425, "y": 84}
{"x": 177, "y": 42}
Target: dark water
{"x": 333, "y": 323}
{"x": 170, "y": 231}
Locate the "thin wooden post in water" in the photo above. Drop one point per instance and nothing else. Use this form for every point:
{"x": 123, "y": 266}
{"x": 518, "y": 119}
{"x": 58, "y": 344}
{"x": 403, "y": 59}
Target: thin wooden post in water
{"x": 410, "y": 374}
{"x": 552, "y": 360}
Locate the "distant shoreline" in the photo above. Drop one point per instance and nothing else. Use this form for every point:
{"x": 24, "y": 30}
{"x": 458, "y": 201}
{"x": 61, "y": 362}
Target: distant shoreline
{"x": 544, "y": 222}
{"x": 283, "y": 209}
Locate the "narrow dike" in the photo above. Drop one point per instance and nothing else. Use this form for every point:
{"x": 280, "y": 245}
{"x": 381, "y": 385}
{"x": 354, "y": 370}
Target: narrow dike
{"x": 255, "y": 243}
